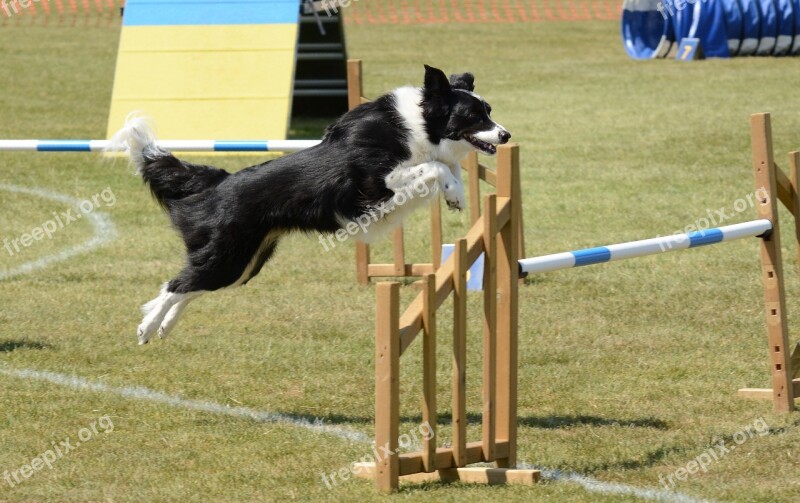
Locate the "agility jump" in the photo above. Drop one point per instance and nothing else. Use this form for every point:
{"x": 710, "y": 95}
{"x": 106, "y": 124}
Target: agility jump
{"x": 496, "y": 233}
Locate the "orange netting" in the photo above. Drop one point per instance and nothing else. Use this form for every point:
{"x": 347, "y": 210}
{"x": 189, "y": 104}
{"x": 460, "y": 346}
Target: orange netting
{"x": 476, "y": 11}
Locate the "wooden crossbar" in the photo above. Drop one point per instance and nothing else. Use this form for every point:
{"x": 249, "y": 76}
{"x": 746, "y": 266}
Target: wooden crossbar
{"x": 413, "y": 462}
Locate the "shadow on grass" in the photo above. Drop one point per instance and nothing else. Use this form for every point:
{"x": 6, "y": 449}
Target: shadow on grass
{"x": 8, "y": 346}
{"x": 557, "y": 422}
{"x": 545, "y": 422}
{"x": 647, "y": 460}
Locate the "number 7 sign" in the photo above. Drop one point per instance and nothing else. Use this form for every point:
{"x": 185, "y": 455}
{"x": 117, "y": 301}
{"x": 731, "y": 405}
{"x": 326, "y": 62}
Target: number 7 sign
{"x": 689, "y": 49}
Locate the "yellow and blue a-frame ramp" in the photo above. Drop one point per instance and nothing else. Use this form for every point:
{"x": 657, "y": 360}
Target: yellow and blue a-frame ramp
{"x": 207, "y": 69}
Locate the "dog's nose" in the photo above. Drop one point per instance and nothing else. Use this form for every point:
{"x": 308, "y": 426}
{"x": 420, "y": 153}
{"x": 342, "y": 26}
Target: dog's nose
{"x": 504, "y": 136}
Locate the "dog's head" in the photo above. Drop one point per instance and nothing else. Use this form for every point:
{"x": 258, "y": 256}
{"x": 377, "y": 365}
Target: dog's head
{"x": 454, "y": 112}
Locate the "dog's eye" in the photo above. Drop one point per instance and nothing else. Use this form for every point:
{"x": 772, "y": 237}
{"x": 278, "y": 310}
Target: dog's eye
{"x": 488, "y": 109}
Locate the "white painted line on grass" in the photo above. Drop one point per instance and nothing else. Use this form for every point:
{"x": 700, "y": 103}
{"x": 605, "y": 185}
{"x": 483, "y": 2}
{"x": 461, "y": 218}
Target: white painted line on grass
{"x": 598, "y": 486}
{"x": 142, "y": 393}
{"x": 104, "y": 231}
{"x": 317, "y": 426}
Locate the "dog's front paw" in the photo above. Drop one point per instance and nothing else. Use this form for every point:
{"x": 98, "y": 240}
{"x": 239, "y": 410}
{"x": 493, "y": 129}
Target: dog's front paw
{"x": 454, "y": 205}
{"x": 454, "y": 196}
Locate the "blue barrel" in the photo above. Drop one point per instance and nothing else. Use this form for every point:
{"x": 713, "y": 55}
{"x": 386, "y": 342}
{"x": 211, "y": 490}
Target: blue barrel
{"x": 646, "y": 33}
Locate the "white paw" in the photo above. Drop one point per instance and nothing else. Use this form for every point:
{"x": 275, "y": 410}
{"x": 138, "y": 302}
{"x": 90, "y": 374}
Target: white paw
{"x": 145, "y": 331}
{"x": 167, "y": 326}
{"x": 454, "y": 196}
{"x": 148, "y": 326}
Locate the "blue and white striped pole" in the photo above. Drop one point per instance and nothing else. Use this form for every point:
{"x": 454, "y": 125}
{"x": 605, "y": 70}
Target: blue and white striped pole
{"x": 643, "y": 248}
{"x": 172, "y": 145}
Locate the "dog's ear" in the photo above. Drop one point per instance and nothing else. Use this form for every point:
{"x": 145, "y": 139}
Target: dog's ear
{"x": 465, "y": 81}
{"x": 436, "y": 83}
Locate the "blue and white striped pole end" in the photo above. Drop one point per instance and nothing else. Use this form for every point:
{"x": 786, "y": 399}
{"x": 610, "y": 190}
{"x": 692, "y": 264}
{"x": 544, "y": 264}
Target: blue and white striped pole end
{"x": 653, "y": 246}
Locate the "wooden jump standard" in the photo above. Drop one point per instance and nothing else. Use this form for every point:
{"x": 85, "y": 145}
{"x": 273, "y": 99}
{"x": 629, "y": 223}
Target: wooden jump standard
{"x": 784, "y": 363}
{"x": 770, "y": 181}
{"x": 495, "y": 233}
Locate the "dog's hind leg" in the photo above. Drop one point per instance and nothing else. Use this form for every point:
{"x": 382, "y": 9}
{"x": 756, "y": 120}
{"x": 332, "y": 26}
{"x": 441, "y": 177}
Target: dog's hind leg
{"x": 227, "y": 267}
{"x": 173, "y": 315}
{"x": 157, "y": 309}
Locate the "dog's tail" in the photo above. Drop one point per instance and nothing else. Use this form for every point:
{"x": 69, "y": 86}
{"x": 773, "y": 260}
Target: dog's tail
{"x": 169, "y": 178}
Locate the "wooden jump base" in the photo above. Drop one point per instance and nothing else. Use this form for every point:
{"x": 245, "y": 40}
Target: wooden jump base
{"x": 399, "y": 268}
{"x": 496, "y": 233}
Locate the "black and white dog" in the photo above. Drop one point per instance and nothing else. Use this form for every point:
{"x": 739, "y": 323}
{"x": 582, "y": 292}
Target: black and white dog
{"x": 232, "y": 222}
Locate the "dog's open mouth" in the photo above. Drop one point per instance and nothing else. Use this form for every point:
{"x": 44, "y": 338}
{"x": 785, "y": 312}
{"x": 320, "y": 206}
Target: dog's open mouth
{"x": 483, "y": 146}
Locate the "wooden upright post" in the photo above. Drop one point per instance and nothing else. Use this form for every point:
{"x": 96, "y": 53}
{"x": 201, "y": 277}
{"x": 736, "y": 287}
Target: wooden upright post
{"x": 429, "y": 415}
{"x": 436, "y": 232}
{"x": 460, "y": 352}
{"x": 772, "y": 264}
{"x": 507, "y": 304}
{"x": 794, "y": 166}
{"x": 398, "y": 252}
{"x": 489, "y": 327}
{"x": 387, "y": 386}
{"x": 355, "y": 91}
{"x": 474, "y": 183}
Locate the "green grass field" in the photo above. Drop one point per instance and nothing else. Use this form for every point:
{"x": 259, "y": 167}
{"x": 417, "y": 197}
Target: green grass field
{"x": 628, "y": 371}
